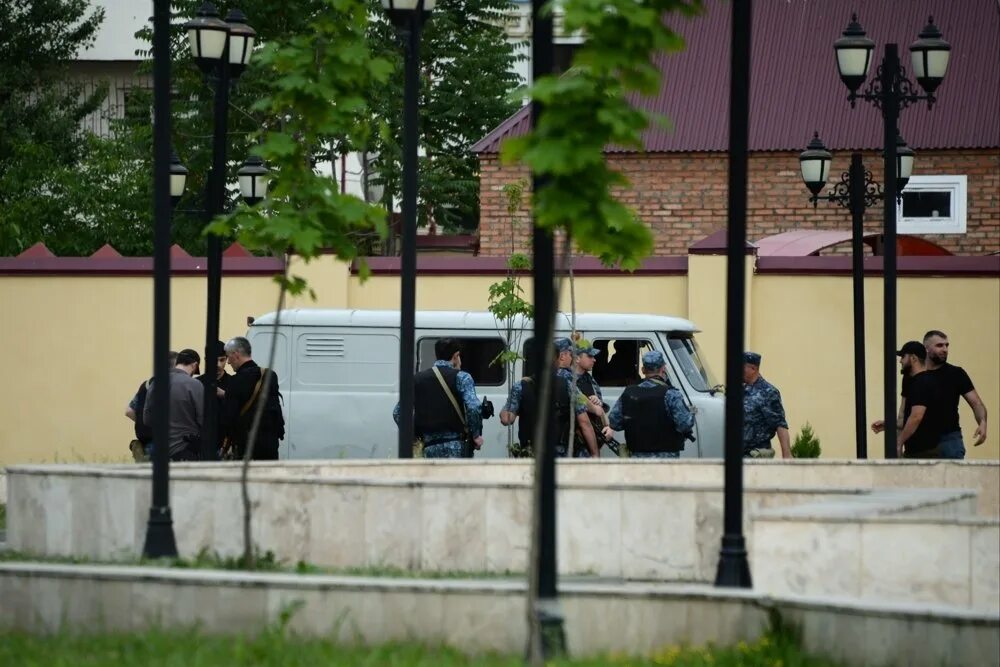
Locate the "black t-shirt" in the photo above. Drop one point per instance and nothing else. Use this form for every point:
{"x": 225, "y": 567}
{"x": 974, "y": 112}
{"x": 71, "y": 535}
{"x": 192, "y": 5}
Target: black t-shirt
{"x": 925, "y": 389}
{"x": 953, "y": 383}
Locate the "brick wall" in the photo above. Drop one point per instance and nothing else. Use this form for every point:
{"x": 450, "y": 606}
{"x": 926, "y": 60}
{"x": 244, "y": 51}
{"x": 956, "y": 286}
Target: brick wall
{"x": 682, "y": 196}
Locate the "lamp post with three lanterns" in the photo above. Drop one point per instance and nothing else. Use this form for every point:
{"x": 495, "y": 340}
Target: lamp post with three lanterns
{"x": 890, "y": 91}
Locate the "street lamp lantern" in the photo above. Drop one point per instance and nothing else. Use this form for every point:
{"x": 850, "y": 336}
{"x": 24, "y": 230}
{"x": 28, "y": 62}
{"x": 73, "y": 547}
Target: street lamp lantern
{"x": 904, "y": 163}
{"x": 253, "y": 180}
{"x": 408, "y": 5}
{"x": 178, "y": 178}
{"x": 401, "y": 12}
{"x": 814, "y": 162}
{"x": 854, "y": 54}
{"x": 241, "y": 40}
{"x": 207, "y": 35}
{"x": 930, "y": 55}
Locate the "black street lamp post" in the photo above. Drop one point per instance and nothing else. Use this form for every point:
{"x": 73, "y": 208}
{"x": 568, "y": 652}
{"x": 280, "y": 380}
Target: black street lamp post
{"x": 856, "y": 191}
{"x": 734, "y": 569}
{"x": 160, "y": 540}
{"x": 408, "y": 16}
{"x": 222, "y": 50}
{"x": 891, "y": 92}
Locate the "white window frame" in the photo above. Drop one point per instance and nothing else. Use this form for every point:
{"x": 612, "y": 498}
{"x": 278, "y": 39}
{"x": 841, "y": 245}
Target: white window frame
{"x": 955, "y": 223}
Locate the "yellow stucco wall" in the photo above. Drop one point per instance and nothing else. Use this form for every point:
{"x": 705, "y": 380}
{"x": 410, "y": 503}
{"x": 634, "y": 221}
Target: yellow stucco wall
{"x": 803, "y": 328}
{"x": 77, "y": 347}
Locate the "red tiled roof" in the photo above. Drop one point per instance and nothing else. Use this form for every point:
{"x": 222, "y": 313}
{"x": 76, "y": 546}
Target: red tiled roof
{"x": 795, "y": 88}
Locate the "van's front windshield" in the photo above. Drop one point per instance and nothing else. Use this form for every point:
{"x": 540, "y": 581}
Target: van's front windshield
{"x": 689, "y": 358}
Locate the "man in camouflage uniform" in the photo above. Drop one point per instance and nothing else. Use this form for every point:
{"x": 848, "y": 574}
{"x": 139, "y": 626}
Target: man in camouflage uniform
{"x": 652, "y": 413}
{"x": 435, "y": 420}
{"x": 564, "y": 392}
{"x": 586, "y": 356}
{"x": 763, "y": 414}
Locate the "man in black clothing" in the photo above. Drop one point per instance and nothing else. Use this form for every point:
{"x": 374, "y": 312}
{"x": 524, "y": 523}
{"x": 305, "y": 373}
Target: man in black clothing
{"x": 921, "y": 428}
{"x": 246, "y": 389}
{"x": 954, "y": 383}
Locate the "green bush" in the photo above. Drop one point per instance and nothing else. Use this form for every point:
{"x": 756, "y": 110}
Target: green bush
{"x": 806, "y": 444}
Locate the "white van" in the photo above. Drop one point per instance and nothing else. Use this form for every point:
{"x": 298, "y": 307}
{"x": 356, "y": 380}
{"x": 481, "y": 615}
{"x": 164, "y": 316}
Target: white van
{"x": 338, "y": 372}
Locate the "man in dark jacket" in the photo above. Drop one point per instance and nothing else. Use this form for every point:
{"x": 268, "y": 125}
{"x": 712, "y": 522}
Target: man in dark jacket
{"x": 246, "y": 388}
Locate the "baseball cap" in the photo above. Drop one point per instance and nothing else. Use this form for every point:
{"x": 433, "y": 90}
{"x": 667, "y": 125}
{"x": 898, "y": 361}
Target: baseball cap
{"x": 563, "y": 345}
{"x": 583, "y": 346}
{"x": 653, "y": 359}
{"x": 913, "y": 347}
{"x": 751, "y": 358}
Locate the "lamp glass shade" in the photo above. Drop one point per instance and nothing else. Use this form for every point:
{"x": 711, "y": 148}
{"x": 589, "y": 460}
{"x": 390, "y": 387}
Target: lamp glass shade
{"x": 408, "y": 5}
{"x": 930, "y": 55}
{"x": 177, "y": 184}
{"x": 814, "y": 163}
{"x": 240, "y": 48}
{"x": 207, "y": 33}
{"x": 241, "y": 38}
{"x": 854, "y": 55}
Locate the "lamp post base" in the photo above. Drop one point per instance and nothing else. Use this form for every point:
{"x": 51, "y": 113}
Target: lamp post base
{"x": 734, "y": 569}
{"x": 552, "y": 637}
{"x": 160, "y": 541}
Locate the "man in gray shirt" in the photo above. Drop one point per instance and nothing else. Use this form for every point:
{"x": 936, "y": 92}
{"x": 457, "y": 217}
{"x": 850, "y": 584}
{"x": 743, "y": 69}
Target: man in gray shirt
{"x": 186, "y": 408}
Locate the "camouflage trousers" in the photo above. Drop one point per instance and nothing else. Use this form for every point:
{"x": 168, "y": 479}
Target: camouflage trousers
{"x": 451, "y": 449}
{"x": 655, "y": 455}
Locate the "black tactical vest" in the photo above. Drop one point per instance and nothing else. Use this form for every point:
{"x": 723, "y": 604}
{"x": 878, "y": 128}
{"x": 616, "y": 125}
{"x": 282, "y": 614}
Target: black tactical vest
{"x": 585, "y": 382}
{"x": 648, "y": 425}
{"x": 432, "y": 409}
{"x": 529, "y": 408}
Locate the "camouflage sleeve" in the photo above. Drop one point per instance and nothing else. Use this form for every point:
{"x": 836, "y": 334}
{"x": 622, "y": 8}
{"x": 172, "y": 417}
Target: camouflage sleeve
{"x": 579, "y": 400}
{"x": 467, "y": 389}
{"x": 773, "y": 411}
{"x": 678, "y": 411}
{"x": 395, "y": 413}
{"x": 615, "y": 418}
{"x": 513, "y": 400}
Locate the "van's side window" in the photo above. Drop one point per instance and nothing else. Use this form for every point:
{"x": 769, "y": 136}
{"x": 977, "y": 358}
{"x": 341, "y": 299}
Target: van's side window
{"x": 619, "y": 362}
{"x": 477, "y": 358}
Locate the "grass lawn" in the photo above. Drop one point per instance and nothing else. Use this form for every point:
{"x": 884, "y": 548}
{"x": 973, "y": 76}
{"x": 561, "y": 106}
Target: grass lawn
{"x": 187, "y": 649}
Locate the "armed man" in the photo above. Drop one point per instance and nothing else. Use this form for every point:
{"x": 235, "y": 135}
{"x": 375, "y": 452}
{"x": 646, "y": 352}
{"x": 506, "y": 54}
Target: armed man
{"x": 566, "y": 402}
{"x": 446, "y": 411}
{"x": 586, "y": 356}
{"x": 652, "y": 413}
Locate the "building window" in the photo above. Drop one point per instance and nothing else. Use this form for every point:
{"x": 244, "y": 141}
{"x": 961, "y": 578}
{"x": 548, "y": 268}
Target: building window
{"x": 933, "y": 205}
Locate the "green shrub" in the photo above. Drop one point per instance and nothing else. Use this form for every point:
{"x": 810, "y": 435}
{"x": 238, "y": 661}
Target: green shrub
{"x": 806, "y": 444}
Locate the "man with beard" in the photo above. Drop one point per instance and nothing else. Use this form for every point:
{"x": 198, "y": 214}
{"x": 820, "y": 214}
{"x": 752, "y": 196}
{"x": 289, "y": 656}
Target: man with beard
{"x": 921, "y": 429}
{"x": 953, "y": 382}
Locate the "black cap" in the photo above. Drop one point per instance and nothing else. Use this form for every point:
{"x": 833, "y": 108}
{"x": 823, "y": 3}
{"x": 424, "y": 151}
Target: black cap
{"x": 913, "y": 347}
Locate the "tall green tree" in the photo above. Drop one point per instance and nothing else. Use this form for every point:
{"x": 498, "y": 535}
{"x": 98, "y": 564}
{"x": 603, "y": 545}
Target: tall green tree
{"x": 466, "y": 89}
{"x": 103, "y": 194}
{"x": 40, "y": 113}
